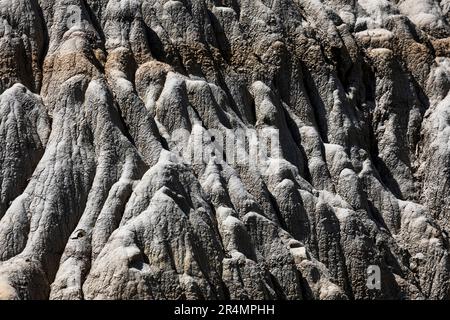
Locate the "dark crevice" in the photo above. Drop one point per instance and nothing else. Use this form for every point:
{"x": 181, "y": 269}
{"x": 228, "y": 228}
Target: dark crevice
{"x": 46, "y": 41}
{"x": 155, "y": 44}
{"x": 124, "y": 128}
{"x": 317, "y": 104}
{"x": 94, "y": 21}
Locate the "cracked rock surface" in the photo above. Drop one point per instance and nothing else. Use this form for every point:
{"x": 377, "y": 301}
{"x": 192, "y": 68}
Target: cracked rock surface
{"x": 98, "y": 199}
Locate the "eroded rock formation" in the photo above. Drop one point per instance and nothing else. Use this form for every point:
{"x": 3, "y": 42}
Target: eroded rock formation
{"x": 97, "y": 198}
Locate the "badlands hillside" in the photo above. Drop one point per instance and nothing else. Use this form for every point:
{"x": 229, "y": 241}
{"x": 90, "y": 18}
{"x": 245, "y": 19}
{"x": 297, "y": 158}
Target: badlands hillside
{"x": 128, "y": 131}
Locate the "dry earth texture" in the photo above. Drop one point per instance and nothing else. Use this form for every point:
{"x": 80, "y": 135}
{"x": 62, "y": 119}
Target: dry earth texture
{"x": 97, "y": 200}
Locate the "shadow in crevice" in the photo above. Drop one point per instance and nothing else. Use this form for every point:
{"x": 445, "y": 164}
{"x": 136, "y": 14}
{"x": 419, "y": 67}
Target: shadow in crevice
{"x": 294, "y": 131}
{"x": 223, "y": 43}
{"x": 156, "y": 46}
{"x": 94, "y": 20}
{"x": 45, "y": 42}
{"x": 317, "y": 104}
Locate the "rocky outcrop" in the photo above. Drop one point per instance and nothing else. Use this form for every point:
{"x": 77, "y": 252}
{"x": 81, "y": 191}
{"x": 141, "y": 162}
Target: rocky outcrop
{"x": 224, "y": 149}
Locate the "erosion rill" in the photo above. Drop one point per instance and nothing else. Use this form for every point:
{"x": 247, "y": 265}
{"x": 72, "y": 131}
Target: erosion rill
{"x": 126, "y": 137}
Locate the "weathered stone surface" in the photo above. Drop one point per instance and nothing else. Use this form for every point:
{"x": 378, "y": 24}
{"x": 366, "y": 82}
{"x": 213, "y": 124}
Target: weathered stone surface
{"x": 101, "y": 102}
